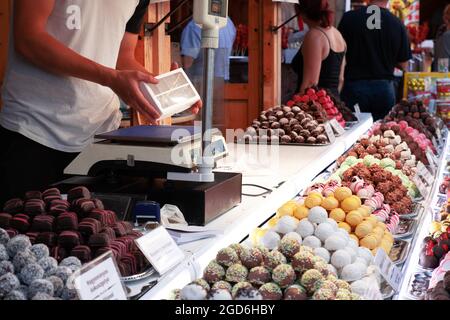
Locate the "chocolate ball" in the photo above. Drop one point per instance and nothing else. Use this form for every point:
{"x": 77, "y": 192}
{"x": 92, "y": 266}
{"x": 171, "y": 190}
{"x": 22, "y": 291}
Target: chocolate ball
{"x": 227, "y": 257}
{"x": 259, "y": 276}
{"x": 287, "y": 109}
{"x": 293, "y": 122}
{"x": 271, "y": 291}
{"x": 275, "y": 125}
{"x": 279, "y": 114}
{"x": 305, "y": 134}
{"x": 251, "y": 258}
{"x": 286, "y": 139}
{"x": 296, "y": 109}
{"x": 300, "y": 139}
{"x": 311, "y": 140}
{"x": 284, "y": 121}
{"x": 290, "y": 115}
{"x": 295, "y": 292}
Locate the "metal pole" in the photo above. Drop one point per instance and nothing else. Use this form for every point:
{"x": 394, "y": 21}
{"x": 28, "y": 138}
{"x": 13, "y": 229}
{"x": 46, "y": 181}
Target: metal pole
{"x": 208, "y": 96}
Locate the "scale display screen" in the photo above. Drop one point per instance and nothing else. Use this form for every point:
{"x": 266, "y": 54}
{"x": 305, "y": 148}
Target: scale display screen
{"x": 218, "y": 8}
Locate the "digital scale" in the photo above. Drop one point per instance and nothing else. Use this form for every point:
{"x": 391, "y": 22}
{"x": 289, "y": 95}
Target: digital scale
{"x": 168, "y": 164}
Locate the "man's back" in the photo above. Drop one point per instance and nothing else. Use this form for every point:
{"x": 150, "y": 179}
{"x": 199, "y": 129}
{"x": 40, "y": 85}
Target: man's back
{"x": 373, "y": 53}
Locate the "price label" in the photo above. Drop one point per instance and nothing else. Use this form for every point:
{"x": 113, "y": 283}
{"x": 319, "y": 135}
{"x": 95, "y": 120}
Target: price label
{"x": 420, "y": 185}
{"x": 330, "y": 132}
{"x": 337, "y": 128}
{"x": 424, "y": 173}
{"x": 99, "y": 280}
{"x": 160, "y": 250}
{"x": 390, "y": 272}
{"x": 435, "y": 143}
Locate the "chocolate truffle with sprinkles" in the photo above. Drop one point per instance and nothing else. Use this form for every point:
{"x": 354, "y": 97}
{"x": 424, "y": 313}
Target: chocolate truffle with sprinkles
{"x": 309, "y": 279}
{"x": 273, "y": 259}
{"x": 284, "y": 275}
{"x": 326, "y": 284}
{"x": 31, "y": 272}
{"x": 303, "y": 261}
{"x": 40, "y": 286}
{"x": 271, "y": 291}
{"x": 17, "y": 244}
{"x": 289, "y": 247}
{"x": 227, "y": 257}
{"x": 6, "y": 267}
{"x": 4, "y": 237}
{"x": 240, "y": 285}
{"x": 8, "y": 283}
{"x": 248, "y": 294}
{"x": 219, "y": 294}
{"x": 324, "y": 294}
{"x": 295, "y": 292}
{"x": 214, "y": 272}
{"x": 58, "y": 285}
{"x": 40, "y": 251}
{"x": 222, "y": 285}
{"x": 251, "y": 257}
{"x": 322, "y": 267}
{"x": 236, "y": 273}
{"x": 238, "y": 248}
{"x": 15, "y": 295}
{"x": 259, "y": 276}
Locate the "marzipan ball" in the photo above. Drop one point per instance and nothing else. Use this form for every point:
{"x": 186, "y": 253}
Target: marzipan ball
{"x": 71, "y": 262}
{"x": 42, "y": 297}
{"x": 4, "y": 256}
{"x": 63, "y": 273}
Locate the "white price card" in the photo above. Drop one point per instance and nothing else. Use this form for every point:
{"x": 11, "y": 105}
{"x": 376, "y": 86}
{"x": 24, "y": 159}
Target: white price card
{"x": 420, "y": 185}
{"x": 100, "y": 280}
{"x": 390, "y": 272}
{"x": 160, "y": 250}
{"x": 330, "y": 132}
{"x": 435, "y": 143}
{"x": 425, "y": 173}
{"x": 431, "y": 158}
{"x": 337, "y": 128}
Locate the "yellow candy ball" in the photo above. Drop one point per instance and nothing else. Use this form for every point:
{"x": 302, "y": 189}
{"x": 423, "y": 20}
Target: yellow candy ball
{"x": 337, "y": 215}
{"x": 364, "y": 212}
{"x": 342, "y": 193}
{"x": 351, "y": 203}
{"x": 363, "y": 229}
{"x": 354, "y": 237}
{"x": 257, "y": 235}
{"x": 345, "y": 226}
{"x": 354, "y": 218}
{"x": 372, "y": 220}
{"x": 313, "y": 200}
{"x": 381, "y": 225}
{"x": 370, "y": 242}
{"x": 286, "y": 210}
{"x": 330, "y": 203}
{"x": 273, "y": 222}
{"x": 301, "y": 212}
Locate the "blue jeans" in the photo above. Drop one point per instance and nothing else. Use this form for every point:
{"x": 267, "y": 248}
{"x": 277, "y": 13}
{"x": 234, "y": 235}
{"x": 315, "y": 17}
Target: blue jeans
{"x": 373, "y": 96}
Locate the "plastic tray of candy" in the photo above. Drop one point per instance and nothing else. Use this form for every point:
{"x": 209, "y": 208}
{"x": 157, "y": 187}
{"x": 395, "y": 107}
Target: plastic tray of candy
{"x": 418, "y": 285}
{"x": 399, "y": 251}
{"x": 416, "y": 210}
{"x": 141, "y": 276}
{"x": 406, "y": 229}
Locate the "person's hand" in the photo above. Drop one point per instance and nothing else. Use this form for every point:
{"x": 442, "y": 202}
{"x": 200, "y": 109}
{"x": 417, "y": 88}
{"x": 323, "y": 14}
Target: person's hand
{"x": 126, "y": 84}
{"x": 199, "y": 104}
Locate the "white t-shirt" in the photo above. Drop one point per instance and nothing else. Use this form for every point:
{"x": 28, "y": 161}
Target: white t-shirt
{"x": 64, "y": 113}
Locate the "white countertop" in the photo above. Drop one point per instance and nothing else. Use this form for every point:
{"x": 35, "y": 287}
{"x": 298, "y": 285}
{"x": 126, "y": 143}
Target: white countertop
{"x": 287, "y": 170}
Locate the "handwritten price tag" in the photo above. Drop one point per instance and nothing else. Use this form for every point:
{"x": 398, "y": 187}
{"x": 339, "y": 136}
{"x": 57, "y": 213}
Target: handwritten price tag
{"x": 424, "y": 173}
{"x": 330, "y": 132}
{"x": 420, "y": 185}
{"x": 337, "y": 128}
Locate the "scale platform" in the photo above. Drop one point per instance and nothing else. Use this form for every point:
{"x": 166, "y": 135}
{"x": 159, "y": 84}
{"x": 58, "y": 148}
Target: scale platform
{"x": 146, "y": 150}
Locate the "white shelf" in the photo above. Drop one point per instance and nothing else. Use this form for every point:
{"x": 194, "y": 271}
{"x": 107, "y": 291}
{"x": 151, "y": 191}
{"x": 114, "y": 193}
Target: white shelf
{"x": 298, "y": 166}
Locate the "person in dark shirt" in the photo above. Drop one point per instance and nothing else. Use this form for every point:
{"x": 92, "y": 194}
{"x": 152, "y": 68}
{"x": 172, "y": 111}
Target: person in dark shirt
{"x": 373, "y": 52}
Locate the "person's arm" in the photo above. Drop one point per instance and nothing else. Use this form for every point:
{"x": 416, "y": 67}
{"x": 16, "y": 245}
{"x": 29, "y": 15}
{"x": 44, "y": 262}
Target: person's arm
{"x": 404, "y": 54}
{"x": 342, "y": 75}
{"x": 36, "y": 45}
{"x": 190, "y": 44}
{"x": 312, "y": 57}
